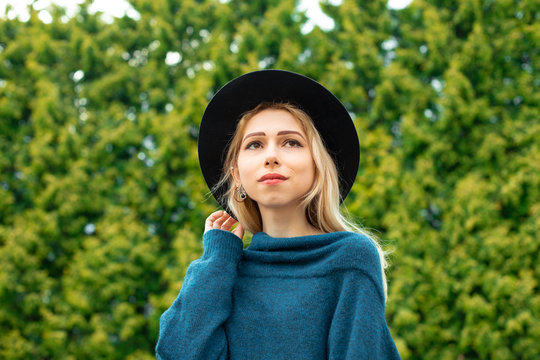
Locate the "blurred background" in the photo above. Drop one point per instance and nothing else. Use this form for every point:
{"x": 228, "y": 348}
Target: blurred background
{"x": 102, "y": 202}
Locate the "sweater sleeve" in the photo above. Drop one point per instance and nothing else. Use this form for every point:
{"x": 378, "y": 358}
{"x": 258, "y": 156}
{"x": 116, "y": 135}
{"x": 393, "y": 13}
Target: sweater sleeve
{"x": 358, "y": 328}
{"x": 193, "y": 327}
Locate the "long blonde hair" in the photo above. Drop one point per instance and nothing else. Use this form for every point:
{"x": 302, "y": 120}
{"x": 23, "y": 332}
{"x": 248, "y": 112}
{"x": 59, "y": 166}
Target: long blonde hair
{"x": 322, "y": 201}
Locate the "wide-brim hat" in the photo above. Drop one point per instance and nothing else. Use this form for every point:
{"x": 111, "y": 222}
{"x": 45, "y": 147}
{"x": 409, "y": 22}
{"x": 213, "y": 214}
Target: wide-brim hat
{"x": 330, "y": 117}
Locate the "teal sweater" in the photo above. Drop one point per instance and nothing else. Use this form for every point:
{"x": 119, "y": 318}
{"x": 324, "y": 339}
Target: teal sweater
{"x": 306, "y": 297}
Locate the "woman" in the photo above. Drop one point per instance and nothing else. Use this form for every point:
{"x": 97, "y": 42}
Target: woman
{"x": 280, "y": 153}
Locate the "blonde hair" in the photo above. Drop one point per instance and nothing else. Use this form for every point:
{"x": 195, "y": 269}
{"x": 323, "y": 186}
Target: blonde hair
{"x": 322, "y": 201}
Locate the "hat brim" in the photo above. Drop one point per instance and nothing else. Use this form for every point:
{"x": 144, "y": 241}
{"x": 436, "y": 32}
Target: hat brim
{"x": 245, "y": 92}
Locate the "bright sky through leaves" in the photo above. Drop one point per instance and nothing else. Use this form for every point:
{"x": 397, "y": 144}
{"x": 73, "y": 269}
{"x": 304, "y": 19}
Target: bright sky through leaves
{"x": 117, "y": 8}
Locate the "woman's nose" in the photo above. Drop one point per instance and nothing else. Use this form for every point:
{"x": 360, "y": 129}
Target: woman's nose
{"x": 271, "y": 159}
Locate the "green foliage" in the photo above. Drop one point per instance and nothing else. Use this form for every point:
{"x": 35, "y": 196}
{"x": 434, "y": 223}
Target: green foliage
{"x": 102, "y": 202}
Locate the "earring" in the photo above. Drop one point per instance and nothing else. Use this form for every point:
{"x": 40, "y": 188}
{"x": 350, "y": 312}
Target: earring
{"x": 241, "y": 194}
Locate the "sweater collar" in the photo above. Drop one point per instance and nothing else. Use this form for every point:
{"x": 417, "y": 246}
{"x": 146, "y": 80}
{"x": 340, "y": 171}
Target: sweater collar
{"x": 261, "y": 241}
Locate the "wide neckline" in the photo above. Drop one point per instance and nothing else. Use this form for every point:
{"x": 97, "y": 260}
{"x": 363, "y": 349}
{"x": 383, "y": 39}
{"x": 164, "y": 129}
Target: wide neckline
{"x": 264, "y": 242}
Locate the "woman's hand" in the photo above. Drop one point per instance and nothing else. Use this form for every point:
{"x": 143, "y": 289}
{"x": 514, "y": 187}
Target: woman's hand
{"x": 223, "y": 221}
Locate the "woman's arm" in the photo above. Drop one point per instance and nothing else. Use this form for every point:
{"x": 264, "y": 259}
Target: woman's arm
{"x": 193, "y": 327}
{"x": 358, "y": 329}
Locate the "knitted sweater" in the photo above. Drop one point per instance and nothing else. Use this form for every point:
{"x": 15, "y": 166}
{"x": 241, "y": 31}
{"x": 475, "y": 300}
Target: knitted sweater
{"x": 306, "y": 297}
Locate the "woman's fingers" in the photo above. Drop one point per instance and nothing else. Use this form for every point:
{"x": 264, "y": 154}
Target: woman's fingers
{"x": 228, "y": 223}
{"x": 213, "y": 221}
{"x": 219, "y": 220}
{"x": 222, "y": 220}
{"x": 214, "y": 216}
{"x": 239, "y": 231}
{"x": 218, "y": 223}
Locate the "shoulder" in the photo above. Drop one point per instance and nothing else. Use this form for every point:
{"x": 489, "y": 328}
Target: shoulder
{"x": 357, "y": 251}
{"x": 358, "y": 256}
{"x": 357, "y": 246}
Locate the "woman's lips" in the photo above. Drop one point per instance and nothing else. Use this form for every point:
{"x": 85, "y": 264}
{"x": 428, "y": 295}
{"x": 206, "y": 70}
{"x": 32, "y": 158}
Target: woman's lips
{"x": 272, "y": 181}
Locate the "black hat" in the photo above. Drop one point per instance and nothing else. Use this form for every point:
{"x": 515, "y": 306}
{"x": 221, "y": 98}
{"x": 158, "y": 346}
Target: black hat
{"x": 329, "y": 116}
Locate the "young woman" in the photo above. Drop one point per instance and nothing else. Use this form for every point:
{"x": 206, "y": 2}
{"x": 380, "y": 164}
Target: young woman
{"x": 280, "y": 153}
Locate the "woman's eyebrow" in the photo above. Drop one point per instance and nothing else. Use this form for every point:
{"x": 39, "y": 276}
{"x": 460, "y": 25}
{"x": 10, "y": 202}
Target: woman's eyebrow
{"x": 283, "y": 132}
{"x": 254, "y": 134}
{"x": 286, "y": 132}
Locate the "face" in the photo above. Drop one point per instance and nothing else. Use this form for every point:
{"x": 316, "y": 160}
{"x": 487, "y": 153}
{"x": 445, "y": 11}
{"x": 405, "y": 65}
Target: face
{"x": 275, "y": 165}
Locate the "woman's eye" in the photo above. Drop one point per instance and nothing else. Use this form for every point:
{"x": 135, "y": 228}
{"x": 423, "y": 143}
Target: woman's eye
{"x": 292, "y": 143}
{"x": 253, "y": 145}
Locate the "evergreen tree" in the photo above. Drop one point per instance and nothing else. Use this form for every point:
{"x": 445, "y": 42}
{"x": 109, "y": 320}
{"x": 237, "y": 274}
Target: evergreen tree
{"x": 102, "y": 202}
{"x": 465, "y": 224}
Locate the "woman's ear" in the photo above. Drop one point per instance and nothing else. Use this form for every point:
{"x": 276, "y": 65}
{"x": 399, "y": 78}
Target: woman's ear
{"x": 235, "y": 175}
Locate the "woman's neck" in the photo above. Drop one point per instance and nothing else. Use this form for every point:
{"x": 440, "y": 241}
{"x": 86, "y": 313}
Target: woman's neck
{"x": 290, "y": 222}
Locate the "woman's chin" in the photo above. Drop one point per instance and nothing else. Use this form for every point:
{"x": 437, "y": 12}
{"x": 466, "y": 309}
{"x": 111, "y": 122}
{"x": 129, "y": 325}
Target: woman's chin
{"x": 278, "y": 203}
